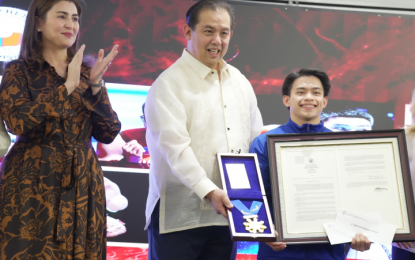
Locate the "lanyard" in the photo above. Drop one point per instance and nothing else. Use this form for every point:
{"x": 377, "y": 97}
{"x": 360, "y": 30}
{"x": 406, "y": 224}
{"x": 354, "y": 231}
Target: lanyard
{"x": 255, "y": 207}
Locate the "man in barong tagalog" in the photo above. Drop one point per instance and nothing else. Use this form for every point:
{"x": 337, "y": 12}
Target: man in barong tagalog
{"x": 198, "y": 107}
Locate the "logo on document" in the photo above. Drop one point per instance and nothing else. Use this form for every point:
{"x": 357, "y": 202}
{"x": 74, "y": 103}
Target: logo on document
{"x": 311, "y": 160}
{"x": 311, "y": 167}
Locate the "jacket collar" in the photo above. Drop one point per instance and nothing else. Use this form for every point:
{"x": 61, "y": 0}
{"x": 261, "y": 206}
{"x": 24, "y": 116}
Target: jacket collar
{"x": 305, "y": 128}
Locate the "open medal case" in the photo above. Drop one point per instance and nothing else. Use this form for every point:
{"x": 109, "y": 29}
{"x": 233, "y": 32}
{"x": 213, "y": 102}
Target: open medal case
{"x": 241, "y": 179}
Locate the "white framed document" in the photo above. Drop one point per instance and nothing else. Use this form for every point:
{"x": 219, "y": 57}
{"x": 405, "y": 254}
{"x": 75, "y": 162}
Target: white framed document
{"x": 314, "y": 176}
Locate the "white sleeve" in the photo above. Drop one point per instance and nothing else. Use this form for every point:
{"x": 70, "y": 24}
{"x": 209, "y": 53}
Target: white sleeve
{"x": 409, "y": 146}
{"x": 256, "y": 118}
{"x": 167, "y": 127}
{"x": 4, "y": 139}
{"x": 410, "y": 139}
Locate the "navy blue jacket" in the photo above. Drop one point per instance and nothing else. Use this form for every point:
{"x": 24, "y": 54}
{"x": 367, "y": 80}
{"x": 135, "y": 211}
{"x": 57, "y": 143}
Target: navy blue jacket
{"x": 310, "y": 251}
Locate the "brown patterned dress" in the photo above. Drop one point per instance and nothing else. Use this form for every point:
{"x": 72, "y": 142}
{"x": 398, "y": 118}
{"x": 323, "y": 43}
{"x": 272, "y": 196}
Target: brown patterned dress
{"x": 52, "y": 197}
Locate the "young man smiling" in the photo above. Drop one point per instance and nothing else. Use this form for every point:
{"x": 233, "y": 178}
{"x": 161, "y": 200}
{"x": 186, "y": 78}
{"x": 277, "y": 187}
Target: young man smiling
{"x": 305, "y": 94}
{"x": 198, "y": 107}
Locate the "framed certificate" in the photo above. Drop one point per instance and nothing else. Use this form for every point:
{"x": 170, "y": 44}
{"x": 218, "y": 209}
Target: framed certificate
{"x": 250, "y": 218}
{"x": 315, "y": 175}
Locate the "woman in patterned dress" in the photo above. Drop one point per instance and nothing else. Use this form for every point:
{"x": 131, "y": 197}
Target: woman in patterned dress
{"x": 52, "y": 198}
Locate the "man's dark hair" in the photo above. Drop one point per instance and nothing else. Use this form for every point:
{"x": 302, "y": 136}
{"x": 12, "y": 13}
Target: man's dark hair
{"x": 192, "y": 15}
{"x": 321, "y": 75}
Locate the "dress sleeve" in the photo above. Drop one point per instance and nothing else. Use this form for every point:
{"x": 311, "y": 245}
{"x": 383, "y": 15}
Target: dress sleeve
{"x": 166, "y": 120}
{"x": 255, "y": 114}
{"x": 22, "y": 114}
{"x": 105, "y": 123}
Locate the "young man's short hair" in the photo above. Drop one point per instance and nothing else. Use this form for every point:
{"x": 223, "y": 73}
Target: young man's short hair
{"x": 306, "y": 72}
{"x": 192, "y": 15}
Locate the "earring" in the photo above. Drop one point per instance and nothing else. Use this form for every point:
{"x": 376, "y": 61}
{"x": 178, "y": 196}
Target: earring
{"x": 38, "y": 29}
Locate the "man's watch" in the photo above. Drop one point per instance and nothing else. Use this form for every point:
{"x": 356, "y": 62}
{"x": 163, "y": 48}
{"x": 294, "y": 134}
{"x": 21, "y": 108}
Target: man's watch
{"x": 99, "y": 85}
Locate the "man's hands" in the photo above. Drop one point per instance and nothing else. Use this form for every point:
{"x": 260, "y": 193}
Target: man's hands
{"x": 134, "y": 148}
{"x": 220, "y": 201}
{"x": 405, "y": 244}
{"x": 276, "y": 246}
{"x": 360, "y": 242}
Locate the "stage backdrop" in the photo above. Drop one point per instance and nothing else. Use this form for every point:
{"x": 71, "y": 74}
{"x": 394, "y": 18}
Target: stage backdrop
{"x": 370, "y": 59}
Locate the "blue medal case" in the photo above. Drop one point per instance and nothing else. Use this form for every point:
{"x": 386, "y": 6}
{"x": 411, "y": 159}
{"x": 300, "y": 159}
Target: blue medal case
{"x": 246, "y": 196}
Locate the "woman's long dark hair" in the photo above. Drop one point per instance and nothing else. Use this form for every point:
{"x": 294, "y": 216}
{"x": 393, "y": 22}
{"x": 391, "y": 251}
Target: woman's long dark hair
{"x": 32, "y": 42}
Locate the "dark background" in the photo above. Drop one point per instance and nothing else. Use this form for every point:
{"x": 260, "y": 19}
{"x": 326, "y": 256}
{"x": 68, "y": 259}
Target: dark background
{"x": 133, "y": 186}
{"x": 370, "y": 60}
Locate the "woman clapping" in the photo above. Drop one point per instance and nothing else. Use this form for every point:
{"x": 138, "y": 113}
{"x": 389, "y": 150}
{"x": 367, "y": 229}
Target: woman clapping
{"x": 52, "y": 198}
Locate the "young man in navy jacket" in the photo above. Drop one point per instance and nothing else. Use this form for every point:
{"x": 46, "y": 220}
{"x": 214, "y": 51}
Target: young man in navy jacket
{"x": 305, "y": 94}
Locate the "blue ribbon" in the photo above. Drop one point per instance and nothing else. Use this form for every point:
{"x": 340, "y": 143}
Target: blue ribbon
{"x": 255, "y": 207}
